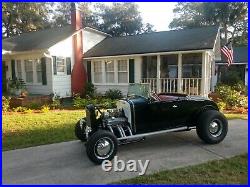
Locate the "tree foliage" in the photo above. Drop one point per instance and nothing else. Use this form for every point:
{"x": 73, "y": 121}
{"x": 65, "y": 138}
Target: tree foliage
{"x": 117, "y": 19}
{"x": 24, "y": 17}
{"x": 120, "y": 19}
{"x": 231, "y": 16}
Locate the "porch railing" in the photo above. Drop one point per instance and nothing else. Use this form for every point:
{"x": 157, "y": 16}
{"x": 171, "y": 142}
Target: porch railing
{"x": 190, "y": 86}
{"x": 152, "y": 82}
{"x": 168, "y": 85}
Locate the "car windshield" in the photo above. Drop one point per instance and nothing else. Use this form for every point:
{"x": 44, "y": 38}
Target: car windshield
{"x": 137, "y": 89}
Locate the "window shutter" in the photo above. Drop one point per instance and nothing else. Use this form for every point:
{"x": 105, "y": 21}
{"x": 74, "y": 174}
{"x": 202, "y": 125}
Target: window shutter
{"x": 68, "y": 65}
{"x": 131, "y": 70}
{"x": 89, "y": 70}
{"x": 13, "y": 69}
{"x": 54, "y": 65}
{"x": 44, "y": 75}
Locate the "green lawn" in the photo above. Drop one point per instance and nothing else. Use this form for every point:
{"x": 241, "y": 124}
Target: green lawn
{"x": 236, "y": 116}
{"x": 228, "y": 171}
{"x": 26, "y": 130}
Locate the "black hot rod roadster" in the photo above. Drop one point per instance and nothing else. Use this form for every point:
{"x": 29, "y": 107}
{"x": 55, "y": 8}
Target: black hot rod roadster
{"x": 142, "y": 114}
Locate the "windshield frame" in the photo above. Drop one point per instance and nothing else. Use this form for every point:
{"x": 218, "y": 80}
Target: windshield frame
{"x": 139, "y": 89}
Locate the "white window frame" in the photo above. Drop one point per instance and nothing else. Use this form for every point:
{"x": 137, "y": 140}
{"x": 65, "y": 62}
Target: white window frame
{"x": 34, "y": 70}
{"x": 36, "y": 63}
{"x": 19, "y": 76}
{"x": 93, "y": 71}
{"x": 64, "y": 65}
{"x": 109, "y": 71}
{"x": 127, "y": 71}
{"x": 32, "y": 64}
{"x": 102, "y": 62}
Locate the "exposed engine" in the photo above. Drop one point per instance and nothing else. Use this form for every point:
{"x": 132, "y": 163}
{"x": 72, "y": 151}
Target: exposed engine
{"x": 116, "y": 121}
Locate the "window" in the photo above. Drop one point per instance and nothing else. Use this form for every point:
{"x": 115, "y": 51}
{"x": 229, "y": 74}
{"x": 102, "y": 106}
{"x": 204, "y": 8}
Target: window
{"x": 191, "y": 65}
{"x": 109, "y": 69}
{"x": 169, "y": 66}
{"x": 19, "y": 69}
{"x": 149, "y": 67}
{"x": 29, "y": 70}
{"x": 97, "y": 71}
{"x": 60, "y": 63}
{"x": 38, "y": 71}
{"x": 122, "y": 71}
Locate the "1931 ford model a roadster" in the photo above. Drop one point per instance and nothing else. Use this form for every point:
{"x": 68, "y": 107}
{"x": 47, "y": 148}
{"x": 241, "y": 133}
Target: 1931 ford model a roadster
{"x": 142, "y": 114}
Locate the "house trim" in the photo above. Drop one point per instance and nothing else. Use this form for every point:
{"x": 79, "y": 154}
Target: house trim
{"x": 116, "y": 72}
{"x": 148, "y": 54}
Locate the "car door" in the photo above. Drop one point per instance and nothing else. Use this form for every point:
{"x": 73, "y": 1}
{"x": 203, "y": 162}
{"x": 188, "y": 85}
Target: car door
{"x": 170, "y": 114}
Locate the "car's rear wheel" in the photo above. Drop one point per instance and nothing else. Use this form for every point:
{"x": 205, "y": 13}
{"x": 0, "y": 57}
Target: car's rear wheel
{"x": 80, "y": 129}
{"x": 102, "y": 145}
{"x": 212, "y": 127}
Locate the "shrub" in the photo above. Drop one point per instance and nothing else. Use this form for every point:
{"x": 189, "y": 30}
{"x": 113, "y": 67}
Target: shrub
{"x": 90, "y": 90}
{"x": 45, "y": 109}
{"x": 20, "y": 109}
{"x": 242, "y": 102}
{"x": 79, "y": 102}
{"x": 108, "y": 103}
{"x": 221, "y": 105}
{"x": 113, "y": 94}
{"x": 231, "y": 95}
{"x": 5, "y": 104}
{"x": 55, "y": 103}
{"x": 34, "y": 106}
{"x": 28, "y": 111}
{"x": 240, "y": 87}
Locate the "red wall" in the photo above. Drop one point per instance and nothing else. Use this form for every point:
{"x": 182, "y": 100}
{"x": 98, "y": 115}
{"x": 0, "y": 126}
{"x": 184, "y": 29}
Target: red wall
{"x": 79, "y": 75}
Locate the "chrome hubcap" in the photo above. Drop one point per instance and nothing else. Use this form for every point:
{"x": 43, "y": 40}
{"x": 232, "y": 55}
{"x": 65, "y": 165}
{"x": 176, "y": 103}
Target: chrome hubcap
{"x": 215, "y": 128}
{"x": 104, "y": 148}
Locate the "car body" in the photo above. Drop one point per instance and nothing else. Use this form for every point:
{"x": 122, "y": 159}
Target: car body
{"x": 141, "y": 114}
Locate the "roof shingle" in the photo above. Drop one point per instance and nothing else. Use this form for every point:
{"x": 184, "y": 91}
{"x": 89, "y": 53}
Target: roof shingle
{"x": 240, "y": 55}
{"x": 37, "y": 40}
{"x": 176, "y": 40}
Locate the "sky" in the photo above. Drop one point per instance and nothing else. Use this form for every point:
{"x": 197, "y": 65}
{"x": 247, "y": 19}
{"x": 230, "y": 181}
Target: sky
{"x": 159, "y": 14}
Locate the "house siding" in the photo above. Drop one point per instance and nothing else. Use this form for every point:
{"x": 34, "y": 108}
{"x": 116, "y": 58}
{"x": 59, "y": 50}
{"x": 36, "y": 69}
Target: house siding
{"x": 62, "y": 81}
{"x": 90, "y": 39}
{"x": 32, "y": 88}
{"x": 123, "y": 87}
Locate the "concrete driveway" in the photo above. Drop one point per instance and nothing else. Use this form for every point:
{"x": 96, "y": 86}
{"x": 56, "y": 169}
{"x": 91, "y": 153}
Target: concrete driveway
{"x": 67, "y": 163}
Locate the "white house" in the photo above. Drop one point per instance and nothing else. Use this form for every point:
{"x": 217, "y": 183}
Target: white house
{"x": 62, "y": 60}
{"x": 45, "y": 59}
{"x": 172, "y": 61}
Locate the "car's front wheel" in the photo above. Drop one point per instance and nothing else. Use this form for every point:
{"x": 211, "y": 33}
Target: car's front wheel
{"x": 80, "y": 130}
{"x": 102, "y": 145}
{"x": 212, "y": 127}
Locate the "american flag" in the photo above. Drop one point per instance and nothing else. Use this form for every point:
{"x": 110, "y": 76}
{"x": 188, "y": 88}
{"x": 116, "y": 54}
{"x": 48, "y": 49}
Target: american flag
{"x": 227, "y": 50}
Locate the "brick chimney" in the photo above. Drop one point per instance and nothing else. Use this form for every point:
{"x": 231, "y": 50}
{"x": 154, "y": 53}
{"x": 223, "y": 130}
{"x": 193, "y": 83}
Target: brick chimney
{"x": 79, "y": 75}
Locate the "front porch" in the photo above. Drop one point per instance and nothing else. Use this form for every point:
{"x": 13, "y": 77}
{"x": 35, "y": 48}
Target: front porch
{"x": 188, "y": 73}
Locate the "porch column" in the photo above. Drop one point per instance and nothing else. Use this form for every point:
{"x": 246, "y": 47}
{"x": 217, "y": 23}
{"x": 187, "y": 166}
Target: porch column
{"x": 203, "y": 74}
{"x": 158, "y": 81}
{"x": 179, "y": 89}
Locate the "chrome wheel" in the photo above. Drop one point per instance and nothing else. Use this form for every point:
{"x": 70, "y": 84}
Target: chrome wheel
{"x": 104, "y": 148}
{"x": 215, "y": 128}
